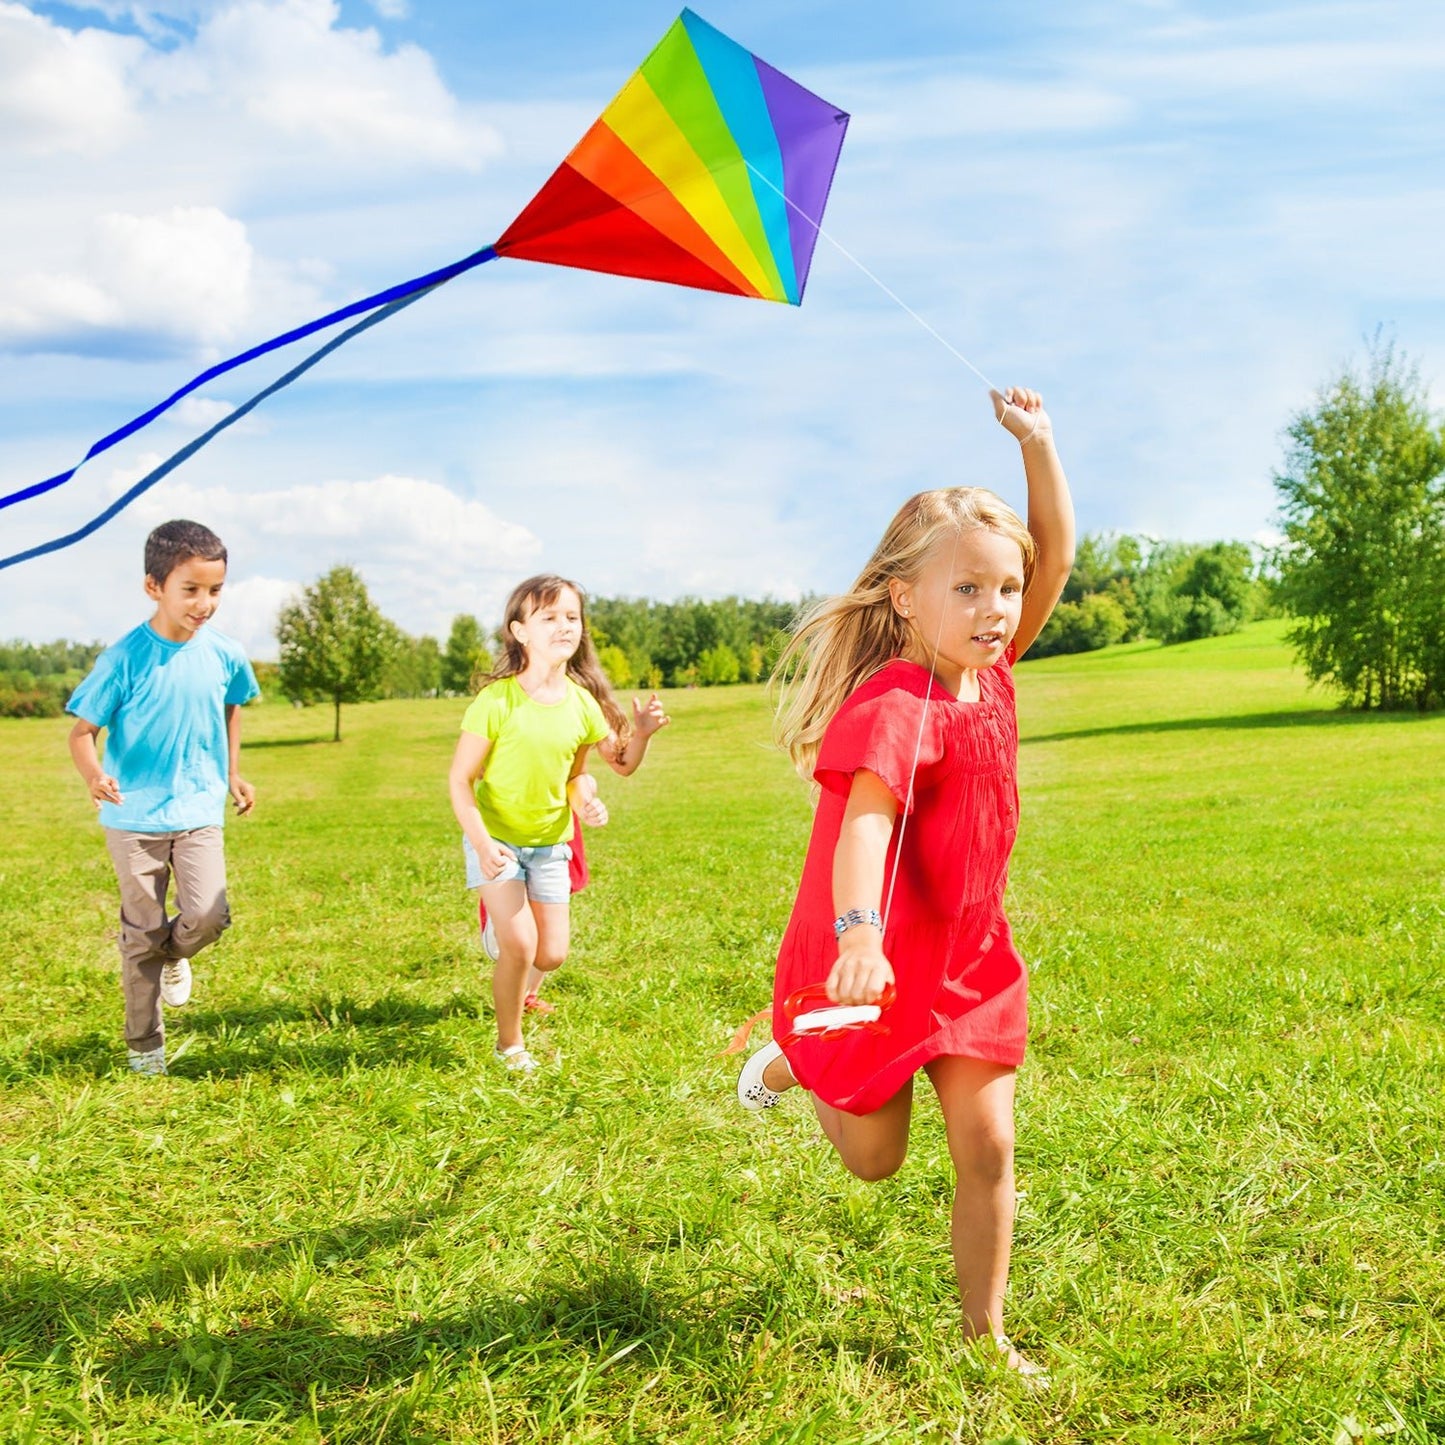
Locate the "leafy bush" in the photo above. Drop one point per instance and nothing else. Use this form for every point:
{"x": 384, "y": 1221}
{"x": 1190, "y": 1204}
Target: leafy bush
{"x": 616, "y": 665}
{"x": 718, "y": 665}
{"x": 1096, "y": 620}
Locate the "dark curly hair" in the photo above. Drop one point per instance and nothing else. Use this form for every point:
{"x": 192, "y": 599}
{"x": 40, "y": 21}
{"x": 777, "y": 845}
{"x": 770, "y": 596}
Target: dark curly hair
{"x": 175, "y": 542}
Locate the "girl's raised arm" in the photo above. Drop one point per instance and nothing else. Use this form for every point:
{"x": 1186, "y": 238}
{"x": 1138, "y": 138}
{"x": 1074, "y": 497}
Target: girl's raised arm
{"x": 1051, "y": 509}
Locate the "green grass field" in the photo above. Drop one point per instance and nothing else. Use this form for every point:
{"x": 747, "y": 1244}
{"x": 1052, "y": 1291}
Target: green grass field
{"x": 338, "y": 1220}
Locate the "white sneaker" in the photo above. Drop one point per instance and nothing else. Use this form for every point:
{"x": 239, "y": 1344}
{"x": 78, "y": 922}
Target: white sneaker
{"x": 752, "y": 1092}
{"x": 518, "y": 1060}
{"x": 176, "y": 982}
{"x": 147, "y": 1061}
{"x": 489, "y": 940}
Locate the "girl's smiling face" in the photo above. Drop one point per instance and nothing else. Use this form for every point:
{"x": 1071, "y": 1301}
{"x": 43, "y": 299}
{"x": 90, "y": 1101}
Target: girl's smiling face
{"x": 965, "y": 602}
{"x": 552, "y": 632}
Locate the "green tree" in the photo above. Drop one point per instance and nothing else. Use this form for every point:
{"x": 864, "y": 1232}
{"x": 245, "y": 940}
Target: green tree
{"x": 414, "y": 668}
{"x": 466, "y": 654}
{"x": 1211, "y": 594}
{"x": 718, "y": 665}
{"x": 615, "y": 664}
{"x": 1362, "y": 567}
{"x": 335, "y": 644}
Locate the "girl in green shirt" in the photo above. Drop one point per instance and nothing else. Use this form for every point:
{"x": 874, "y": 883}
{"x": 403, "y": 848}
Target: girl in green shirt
{"x": 518, "y": 776}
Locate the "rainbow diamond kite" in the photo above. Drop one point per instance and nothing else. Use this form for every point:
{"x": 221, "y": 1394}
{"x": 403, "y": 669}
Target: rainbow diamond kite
{"x": 709, "y": 169}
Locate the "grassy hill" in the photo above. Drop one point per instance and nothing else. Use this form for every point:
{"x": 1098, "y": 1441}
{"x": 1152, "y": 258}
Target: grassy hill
{"x": 337, "y": 1220}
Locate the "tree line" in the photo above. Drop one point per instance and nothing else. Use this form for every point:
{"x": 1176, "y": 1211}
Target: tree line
{"x": 37, "y": 678}
{"x": 1361, "y": 573}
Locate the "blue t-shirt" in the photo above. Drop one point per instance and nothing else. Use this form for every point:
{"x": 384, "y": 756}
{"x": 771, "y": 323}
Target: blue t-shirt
{"x": 163, "y": 705}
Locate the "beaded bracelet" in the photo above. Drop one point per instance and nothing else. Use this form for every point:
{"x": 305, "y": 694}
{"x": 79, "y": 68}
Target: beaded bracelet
{"x": 853, "y": 917}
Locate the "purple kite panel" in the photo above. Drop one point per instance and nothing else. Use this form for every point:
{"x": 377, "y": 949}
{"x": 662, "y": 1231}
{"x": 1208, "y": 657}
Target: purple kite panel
{"x": 810, "y": 134}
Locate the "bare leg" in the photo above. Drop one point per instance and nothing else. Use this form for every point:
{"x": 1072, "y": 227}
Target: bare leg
{"x": 871, "y": 1146}
{"x": 516, "y": 931}
{"x": 554, "y": 938}
{"x": 978, "y": 1110}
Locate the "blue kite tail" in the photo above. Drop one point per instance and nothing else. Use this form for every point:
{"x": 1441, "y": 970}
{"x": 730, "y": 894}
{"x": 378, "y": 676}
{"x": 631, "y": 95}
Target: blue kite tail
{"x": 173, "y": 461}
{"x": 417, "y": 287}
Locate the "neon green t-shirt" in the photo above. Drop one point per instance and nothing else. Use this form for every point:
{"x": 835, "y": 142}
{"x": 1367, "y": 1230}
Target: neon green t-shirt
{"x": 522, "y": 792}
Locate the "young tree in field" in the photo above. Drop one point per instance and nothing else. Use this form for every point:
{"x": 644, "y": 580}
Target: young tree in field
{"x": 1362, "y": 568}
{"x": 466, "y": 654}
{"x": 335, "y": 643}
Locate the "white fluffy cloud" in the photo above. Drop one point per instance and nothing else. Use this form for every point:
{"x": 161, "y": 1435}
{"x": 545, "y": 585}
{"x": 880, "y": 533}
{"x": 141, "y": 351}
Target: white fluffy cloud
{"x": 425, "y": 553}
{"x": 184, "y": 275}
{"x": 279, "y": 68}
{"x": 133, "y": 164}
{"x": 63, "y": 90}
{"x": 292, "y": 70}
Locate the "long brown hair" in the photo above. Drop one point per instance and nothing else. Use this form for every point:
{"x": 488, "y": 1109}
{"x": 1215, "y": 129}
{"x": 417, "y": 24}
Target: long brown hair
{"x": 840, "y": 642}
{"x": 582, "y": 667}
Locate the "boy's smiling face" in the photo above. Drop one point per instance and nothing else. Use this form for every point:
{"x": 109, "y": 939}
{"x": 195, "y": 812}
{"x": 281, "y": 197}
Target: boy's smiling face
{"x": 186, "y": 600}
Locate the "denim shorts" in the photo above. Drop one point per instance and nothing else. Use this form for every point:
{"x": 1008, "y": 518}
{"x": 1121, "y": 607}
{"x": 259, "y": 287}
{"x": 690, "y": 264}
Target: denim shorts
{"x": 544, "y": 870}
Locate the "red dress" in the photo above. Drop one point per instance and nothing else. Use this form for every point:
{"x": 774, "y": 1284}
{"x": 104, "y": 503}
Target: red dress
{"x": 962, "y": 987}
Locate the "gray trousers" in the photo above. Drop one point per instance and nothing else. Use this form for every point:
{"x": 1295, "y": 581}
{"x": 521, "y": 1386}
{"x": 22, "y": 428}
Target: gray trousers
{"x": 145, "y": 864}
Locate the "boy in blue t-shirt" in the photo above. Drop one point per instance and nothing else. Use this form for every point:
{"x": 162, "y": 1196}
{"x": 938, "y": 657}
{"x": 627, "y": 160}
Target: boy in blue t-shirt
{"x": 169, "y": 693}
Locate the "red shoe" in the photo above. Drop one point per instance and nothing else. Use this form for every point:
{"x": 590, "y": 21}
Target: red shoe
{"x": 533, "y": 1005}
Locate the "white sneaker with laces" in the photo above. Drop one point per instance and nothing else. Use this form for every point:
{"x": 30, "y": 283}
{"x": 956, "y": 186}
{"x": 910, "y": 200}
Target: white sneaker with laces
{"x": 176, "y": 982}
{"x": 147, "y": 1061}
{"x": 489, "y": 940}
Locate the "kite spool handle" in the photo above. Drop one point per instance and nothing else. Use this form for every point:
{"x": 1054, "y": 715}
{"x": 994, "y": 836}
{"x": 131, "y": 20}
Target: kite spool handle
{"x": 811, "y": 1014}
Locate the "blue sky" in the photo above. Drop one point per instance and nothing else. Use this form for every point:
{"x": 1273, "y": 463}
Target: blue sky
{"x": 1174, "y": 219}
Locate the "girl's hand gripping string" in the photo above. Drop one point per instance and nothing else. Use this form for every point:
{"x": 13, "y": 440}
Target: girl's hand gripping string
{"x": 1021, "y": 413}
{"x": 862, "y": 973}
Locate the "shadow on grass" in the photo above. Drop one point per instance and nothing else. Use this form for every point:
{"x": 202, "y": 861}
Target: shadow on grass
{"x": 253, "y": 744}
{"x": 606, "y": 1314}
{"x": 42, "y": 1307}
{"x": 385, "y": 1032}
{"x": 1240, "y": 722}
{"x": 331, "y": 1012}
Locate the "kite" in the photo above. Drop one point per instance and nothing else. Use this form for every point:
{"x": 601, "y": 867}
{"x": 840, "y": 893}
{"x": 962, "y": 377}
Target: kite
{"x": 709, "y": 169}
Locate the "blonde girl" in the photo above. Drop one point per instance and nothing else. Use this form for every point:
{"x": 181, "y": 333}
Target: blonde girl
{"x": 898, "y": 701}
{"x": 518, "y": 775}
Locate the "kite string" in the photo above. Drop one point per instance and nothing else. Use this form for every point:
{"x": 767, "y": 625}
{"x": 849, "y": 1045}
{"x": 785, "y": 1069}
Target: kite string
{"x": 230, "y": 419}
{"x": 881, "y": 285}
{"x": 918, "y": 745}
{"x": 938, "y": 637}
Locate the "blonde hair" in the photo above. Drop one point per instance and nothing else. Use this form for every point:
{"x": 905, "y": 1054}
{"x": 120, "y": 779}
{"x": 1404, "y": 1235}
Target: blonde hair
{"x": 840, "y": 642}
{"x": 582, "y": 667}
